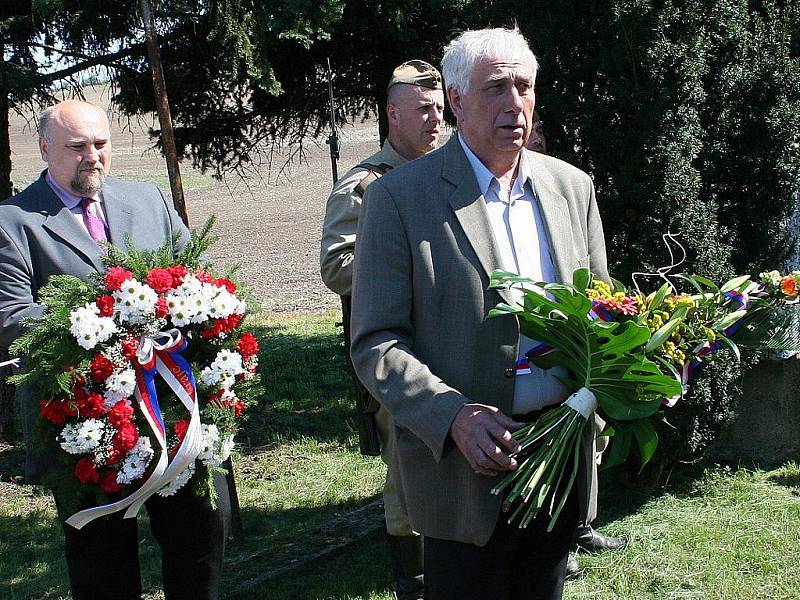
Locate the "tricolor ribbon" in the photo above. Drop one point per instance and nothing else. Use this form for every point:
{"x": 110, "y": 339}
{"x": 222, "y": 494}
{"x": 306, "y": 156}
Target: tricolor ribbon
{"x": 741, "y": 300}
{"x": 158, "y": 354}
{"x": 523, "y": 366}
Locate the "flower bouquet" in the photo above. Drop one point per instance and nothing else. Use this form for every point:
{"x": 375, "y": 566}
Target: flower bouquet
{"x": 628, "y": 354}
{"x": 143, "y": 374}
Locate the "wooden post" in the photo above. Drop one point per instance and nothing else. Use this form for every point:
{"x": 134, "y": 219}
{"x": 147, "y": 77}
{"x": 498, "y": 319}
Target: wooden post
{"x": 164, "y": 115}
{"x": 6, "y": 187}
{"x": 171, "y": 154}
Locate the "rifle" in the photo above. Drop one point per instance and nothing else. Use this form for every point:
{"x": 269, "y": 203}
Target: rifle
{"x": 333, "y": 138}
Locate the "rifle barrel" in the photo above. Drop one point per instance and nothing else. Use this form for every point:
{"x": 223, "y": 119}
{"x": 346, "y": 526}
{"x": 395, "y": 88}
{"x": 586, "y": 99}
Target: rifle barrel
{"x": 333, "y": 138}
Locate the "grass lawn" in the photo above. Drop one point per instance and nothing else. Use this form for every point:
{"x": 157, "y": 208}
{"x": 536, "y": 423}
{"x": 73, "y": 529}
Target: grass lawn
{"x": 311, "y": 513}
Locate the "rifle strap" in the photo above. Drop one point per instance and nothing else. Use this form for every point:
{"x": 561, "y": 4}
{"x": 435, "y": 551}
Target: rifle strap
{"x": 373, "y": 173}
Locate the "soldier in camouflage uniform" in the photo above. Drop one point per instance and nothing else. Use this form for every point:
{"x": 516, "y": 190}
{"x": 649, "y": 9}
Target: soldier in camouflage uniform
{"x": 415, "y": 104}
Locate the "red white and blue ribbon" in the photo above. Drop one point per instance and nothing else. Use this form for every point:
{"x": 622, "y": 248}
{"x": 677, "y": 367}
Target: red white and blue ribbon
{"x": 740, "y": 300}
{"x": 523, "y": 366}
{"x": 159, "y": 354}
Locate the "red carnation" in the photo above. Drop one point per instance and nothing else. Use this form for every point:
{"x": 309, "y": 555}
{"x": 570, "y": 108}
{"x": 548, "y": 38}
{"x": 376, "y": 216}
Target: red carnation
{"x": 106, "y": 305}
{"x": 92, "y": 406}
{"x": 211, "y": 332}
{"x": 108, "y": 483}
{"x": 55, "y": 411}
{"x": 229, "y": 323}
{"x": 204, "y": 276}
{"x": 178, "y": 272}
{"x": 77, "y": 384}
{"x": 180, "y": 428}
{"x": 126, "y": 437}
{"x": 162, "y": 310}
{"x": 129, "y": 348}
{"x": 227, "y": 284}
{"x": 86, "y": 471}
{"x": 115, "y": 277}
{"x": 238, "y": 407}
{"x": 160, "y": 280}
{"x": 248, "y": 345}
{"x": 120, "y": 415}
{"x": 114, "y": 456}
{"x": 101, "y": 368}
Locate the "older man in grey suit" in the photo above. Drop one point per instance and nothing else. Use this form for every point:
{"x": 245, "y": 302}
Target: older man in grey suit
{"x": 59, "y": 224}
{"x": 430, "y": 234}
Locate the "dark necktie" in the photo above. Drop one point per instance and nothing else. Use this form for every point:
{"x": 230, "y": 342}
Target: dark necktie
{"x": 94, "y": 225}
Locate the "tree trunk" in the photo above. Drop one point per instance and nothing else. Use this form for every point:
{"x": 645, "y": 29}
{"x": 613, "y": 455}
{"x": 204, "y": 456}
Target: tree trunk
{"x": 6, "y": 186}
{"x": 164, "y": 115}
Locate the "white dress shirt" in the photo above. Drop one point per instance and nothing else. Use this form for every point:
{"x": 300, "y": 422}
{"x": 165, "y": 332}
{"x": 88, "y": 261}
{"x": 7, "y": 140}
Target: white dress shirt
{"x": 520, "y": 235}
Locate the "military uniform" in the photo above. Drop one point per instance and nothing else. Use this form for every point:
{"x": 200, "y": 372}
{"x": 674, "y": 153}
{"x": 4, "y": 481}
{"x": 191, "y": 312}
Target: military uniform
{"x": 375, "y": 425}
{"x": 336, "y": 267}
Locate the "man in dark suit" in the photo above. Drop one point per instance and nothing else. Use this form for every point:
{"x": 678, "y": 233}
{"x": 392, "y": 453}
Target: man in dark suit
{"x": 430, "y": 233}
{"x": 59, "y": 224}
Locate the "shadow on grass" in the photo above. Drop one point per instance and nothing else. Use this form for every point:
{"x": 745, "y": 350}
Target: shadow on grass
{"x": 308, "y": 392}
{"x": 622, "y": 492}
{"x": 303, "y": 543}
{"x": 789, "y": 476}
{"x": 357, "y": 571}
{"x": 32, "y": 563}
{"x": 12, "y": 462}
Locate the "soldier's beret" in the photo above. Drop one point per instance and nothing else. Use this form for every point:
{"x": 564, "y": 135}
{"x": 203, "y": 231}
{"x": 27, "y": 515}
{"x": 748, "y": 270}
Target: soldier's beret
{"x": 417, "y": 72}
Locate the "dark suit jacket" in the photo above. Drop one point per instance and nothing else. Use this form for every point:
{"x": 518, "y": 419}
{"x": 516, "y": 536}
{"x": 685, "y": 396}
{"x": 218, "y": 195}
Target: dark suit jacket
{"x": 421, "y": 341}
{"x": 39, "y": 237}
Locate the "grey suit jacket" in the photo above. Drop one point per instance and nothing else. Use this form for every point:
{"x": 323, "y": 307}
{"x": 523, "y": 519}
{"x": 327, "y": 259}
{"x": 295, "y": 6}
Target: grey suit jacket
{"x": 421, "y": 341}
{"x": 39, "y": 237}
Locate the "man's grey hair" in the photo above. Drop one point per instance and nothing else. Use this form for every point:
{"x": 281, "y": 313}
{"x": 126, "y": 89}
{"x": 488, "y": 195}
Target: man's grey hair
{"x": 44, "y": 122}
{"x": 461, "y": 55}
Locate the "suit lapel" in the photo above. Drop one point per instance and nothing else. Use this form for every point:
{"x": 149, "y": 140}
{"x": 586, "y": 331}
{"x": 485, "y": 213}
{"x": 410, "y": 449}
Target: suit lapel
{"x": 118, "y": 216}
{"x": 61, "y": 222}
{"x": 556, "y": 220}
{"x": 470, "y": 210}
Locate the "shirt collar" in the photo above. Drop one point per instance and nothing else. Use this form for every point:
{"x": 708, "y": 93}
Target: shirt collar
{"x": 69, "y": 199}
{"x": 390, "y": 155}
{"x": 486, "y": 178}
{"x": 482, "y": 174}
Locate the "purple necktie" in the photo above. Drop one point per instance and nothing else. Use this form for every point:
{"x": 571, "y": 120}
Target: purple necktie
{"x": 94, "y": 225}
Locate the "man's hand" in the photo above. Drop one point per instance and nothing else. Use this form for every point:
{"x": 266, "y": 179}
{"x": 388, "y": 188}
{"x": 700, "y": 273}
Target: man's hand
{"x": 483, "y": 434}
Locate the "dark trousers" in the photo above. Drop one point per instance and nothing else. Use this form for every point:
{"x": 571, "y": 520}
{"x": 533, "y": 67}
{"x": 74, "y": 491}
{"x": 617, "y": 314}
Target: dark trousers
{"x": 518, "y": 564}
{"x": 103, "y": 557}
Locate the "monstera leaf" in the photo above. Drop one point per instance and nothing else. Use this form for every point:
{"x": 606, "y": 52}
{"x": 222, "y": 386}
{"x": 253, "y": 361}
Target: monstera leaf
{"x": 606, "y": 357}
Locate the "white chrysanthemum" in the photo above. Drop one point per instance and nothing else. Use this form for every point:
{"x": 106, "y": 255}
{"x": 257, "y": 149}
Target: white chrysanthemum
{"x": 178, "y": 310}
{"x": 225, "y": 448}
{"x": 88, "y": 328}
{"x": 209, "y": 377}
{"x": 223, "y": 371}
{"x": 228, "y": 361}
{"x": 191, "y": 284}
{"x": 136, "y": 461}
{"x": 177, "y": 483}
{"x": 210, "y": 439}
{"x": 119, "y": 386}
{"x": 215, "y": 449}
{"x": 122, "y": 380}
{"x": 190, "y": 302}
{"x": 223, "y": 304}
{"x": 80, "y": 438}
{"x": 135, "y": 301}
